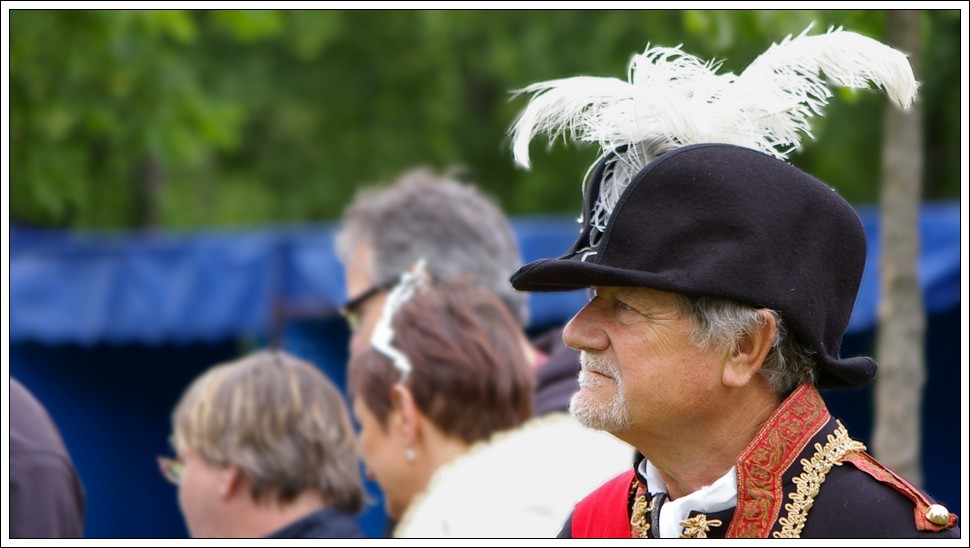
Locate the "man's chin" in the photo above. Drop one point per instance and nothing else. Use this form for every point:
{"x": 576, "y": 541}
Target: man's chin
{"x": 584, "y": 410}
{"x": 598, "y": 415}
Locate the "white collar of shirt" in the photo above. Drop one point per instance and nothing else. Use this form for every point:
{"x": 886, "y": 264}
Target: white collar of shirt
{"x": 720, "y": 495}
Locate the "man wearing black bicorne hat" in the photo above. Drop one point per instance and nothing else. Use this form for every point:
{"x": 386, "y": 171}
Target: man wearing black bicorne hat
{"x": 723, "y": 279}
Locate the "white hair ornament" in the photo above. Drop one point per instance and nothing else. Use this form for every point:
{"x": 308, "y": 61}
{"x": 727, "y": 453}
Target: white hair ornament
{"x": 382, "y": 338}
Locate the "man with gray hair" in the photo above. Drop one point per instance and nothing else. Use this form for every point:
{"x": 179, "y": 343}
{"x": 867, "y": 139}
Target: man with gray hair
{"x": 461, "y": 232}
{"x": 458, "y": 230}
{"x": 723, "y": 280}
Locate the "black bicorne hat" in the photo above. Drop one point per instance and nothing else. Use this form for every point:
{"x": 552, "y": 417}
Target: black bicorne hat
{"x": 726, "y": 221}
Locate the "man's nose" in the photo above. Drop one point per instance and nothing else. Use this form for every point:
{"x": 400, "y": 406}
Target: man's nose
{"x": 584, "y": 331}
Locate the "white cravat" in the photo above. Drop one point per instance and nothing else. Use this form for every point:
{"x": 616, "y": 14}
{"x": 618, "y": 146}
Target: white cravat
{"x": 720, "y": 495}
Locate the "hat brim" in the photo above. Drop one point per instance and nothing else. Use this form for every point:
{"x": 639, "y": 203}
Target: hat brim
{"x": 547, "y": 275}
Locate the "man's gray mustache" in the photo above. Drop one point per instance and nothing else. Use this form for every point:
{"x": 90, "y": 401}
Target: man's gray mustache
{"x": 597, "y": 364}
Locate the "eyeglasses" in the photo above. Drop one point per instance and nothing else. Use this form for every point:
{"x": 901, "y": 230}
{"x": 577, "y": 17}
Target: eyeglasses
{"x": 172, "y": 469}
{"x": 350, "y": 310}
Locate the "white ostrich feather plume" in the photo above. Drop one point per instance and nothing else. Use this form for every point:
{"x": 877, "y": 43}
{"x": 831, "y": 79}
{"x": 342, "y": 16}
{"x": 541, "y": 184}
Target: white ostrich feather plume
{"x": 673, "y": 99}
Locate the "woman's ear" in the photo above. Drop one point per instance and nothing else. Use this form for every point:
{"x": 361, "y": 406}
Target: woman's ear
{"x": 405, "y": 411}
{"x": 749, "y": 353}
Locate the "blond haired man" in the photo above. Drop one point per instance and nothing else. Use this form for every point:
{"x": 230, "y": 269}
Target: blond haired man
{"x": 265, "y": 449}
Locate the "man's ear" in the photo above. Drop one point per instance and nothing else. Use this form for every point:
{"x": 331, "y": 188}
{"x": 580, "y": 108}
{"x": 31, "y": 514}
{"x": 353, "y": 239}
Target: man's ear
{"x": 231, "y": 481}
{"x": 405, "y": 412}
{"x": 745, "y": 360}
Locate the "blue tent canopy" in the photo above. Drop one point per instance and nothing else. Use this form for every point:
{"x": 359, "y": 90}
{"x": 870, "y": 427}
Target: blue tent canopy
{"x": 91, "y": 288}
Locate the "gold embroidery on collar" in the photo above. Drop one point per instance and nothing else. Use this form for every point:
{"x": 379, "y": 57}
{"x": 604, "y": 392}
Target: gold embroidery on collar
{"x": 776, "y": 448}
{"x": 638, "y": 519}
{"x": 698, "y": 526}
{"x": 810, "y": 480}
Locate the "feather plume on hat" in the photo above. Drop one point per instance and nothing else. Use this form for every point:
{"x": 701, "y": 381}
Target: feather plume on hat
{"x": 674, "y": 99}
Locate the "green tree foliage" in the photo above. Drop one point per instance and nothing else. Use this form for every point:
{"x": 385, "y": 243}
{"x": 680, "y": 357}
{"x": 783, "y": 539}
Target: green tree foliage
{"x": 94, "y": 96}
{"x": 201, "y": 118}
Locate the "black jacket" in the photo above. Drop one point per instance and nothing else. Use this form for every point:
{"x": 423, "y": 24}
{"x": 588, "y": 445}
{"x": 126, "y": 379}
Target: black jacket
{"x": 557, "y": 379}
{"x": 802, "y": 476}
{"x": 325, "y": 523}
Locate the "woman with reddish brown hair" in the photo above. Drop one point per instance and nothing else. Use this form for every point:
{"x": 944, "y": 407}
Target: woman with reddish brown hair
{"x": 440, "y": 396}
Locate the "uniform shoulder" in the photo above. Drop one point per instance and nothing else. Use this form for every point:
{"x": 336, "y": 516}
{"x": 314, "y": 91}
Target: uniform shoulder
{"x": 863, "y": 499}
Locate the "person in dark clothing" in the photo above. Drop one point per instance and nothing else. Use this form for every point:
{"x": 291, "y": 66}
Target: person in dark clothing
{"x": 265, "y": 449}
{"x": 723, "y": 279}
{"x": 326, "y": 523}
{"x": 46, "y": 496}
{"x": 558, "y": 377}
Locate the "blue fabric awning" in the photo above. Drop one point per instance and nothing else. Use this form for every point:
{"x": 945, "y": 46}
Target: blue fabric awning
{"x": 159, "y": 288}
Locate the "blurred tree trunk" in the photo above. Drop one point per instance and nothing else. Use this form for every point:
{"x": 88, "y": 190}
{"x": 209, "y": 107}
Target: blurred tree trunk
{"x": 900, "y": 339}
{"x": 148, "y": 179}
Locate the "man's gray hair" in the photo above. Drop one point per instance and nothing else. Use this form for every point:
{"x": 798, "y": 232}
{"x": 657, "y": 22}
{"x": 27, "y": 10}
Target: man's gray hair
{"x": 453, "y": 225}
{"x": 718, "y": 324}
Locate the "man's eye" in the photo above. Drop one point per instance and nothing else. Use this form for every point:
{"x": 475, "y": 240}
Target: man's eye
{"x": 623, "y": 306}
